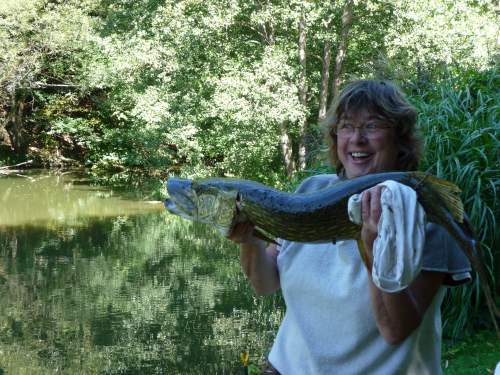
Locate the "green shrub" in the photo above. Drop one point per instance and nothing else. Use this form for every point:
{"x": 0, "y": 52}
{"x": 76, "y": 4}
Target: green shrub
{"x": 460, "y": 122}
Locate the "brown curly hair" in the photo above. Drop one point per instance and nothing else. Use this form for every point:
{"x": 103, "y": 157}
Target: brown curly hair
{"x": 383, "y": 99}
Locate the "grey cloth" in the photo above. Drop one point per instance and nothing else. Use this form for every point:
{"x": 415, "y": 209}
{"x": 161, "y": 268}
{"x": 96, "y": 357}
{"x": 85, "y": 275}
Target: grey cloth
{"x": 442, "y": 254}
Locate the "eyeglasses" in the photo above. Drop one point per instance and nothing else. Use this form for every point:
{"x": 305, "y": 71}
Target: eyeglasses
{"x": 370, "y": 130}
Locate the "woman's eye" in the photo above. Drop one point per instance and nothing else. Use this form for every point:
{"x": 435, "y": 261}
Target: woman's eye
{"x": 346, "y": 126}
{"x": 371, "y": 126}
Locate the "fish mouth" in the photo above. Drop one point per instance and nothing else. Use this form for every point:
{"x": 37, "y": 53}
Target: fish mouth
{"x": 181, "y": 199}
{"x": 203, "y": 202}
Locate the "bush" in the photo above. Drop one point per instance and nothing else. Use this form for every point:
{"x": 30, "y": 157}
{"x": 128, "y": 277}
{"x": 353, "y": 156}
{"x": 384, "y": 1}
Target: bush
{"x": 459, "y": 118}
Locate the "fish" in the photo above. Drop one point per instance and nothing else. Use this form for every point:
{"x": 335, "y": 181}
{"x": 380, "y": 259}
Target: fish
{"x": 322, "y": 215}
{"x": 318, "y": 216}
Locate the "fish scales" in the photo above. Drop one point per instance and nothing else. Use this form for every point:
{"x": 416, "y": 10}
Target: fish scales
{"x": 319, "y": 216}
{"x": 308, "y": 217}
{"x": 308, "y": 226}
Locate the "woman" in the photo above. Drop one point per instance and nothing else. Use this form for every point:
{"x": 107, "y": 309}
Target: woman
{"x": 337, "y": 320}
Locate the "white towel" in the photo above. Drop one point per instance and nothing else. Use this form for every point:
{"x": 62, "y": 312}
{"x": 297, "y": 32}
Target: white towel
{"x": 397, "y": 250}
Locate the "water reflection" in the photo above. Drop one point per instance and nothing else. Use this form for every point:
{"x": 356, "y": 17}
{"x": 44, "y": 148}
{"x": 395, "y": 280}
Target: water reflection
{"x": 61, "y": 198}
{"x": 128, "y": 294}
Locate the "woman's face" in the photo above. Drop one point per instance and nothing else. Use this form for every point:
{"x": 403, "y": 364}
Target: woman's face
{"x": 362, "y": 154}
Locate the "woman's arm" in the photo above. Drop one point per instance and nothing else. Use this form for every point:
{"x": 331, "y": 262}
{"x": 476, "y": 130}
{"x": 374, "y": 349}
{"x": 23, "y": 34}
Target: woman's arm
{"x": 258, "y": 263}
{"x": 397, "y": 314}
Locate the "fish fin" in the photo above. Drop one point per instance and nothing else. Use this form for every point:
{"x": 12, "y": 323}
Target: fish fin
{"x": 447, "y": 192}
{"x": 263, "y": 235}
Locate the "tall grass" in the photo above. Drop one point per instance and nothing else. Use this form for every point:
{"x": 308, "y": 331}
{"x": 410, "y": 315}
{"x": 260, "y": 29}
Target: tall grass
{"x": 459, "y": 117}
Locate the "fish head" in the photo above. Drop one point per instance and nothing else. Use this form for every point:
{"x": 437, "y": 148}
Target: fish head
{"x": 182, "y": 199}
{"x": 204, "y": 202}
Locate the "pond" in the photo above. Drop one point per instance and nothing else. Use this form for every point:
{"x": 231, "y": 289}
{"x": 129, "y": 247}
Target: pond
{"x": 93, "y": 282}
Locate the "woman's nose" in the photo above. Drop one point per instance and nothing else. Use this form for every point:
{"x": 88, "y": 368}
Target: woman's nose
{"x": 358, "y": 136}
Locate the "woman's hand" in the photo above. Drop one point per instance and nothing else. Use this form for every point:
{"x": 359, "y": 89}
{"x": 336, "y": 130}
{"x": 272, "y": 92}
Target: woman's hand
{"x": 243, "y": 233}
{"x": 371, "y": 210}
{"x": 257, "y": 261}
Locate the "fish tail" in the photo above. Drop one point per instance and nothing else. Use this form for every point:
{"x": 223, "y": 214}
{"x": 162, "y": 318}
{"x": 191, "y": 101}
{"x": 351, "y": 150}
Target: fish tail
{"x": 447, "y": 192}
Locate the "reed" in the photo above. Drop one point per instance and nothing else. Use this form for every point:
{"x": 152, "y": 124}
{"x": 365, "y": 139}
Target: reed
{"x": 459, "y": 117}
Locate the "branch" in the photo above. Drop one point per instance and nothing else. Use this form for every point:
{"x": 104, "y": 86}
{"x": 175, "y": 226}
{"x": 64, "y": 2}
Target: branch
{"x": 6, "y": 167}
{"x": 53, "y": 85}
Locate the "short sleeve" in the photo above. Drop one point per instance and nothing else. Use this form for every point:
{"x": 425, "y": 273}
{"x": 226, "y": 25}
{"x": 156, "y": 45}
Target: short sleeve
{"x": 443, "y": 254}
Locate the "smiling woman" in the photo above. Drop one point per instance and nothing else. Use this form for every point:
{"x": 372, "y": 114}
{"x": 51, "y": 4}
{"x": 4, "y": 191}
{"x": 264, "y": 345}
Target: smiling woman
{"x": 387, "y": 136}
{"x": 370, "y": 149}
{"x": 337, "y": 320}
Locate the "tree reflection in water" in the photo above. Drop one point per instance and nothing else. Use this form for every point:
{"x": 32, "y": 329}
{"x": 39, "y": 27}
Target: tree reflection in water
{"x": 126, "y": 294}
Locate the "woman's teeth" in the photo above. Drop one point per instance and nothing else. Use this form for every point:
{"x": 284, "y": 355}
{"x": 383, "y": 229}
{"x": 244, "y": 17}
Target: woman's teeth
{"x": 359, "y": 154}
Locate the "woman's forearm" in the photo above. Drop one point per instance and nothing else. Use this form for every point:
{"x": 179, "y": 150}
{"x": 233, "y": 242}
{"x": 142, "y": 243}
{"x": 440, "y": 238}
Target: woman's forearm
{"x": 396, "y": 314}
{"x": 259, "y": 264}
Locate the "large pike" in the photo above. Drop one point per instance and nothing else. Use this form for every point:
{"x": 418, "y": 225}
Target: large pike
{"x": 318, "y": 216}
{"x": 310, "y": 217}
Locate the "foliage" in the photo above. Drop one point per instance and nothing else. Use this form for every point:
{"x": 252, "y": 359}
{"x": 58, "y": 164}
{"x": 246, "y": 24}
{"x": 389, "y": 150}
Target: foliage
{"x": 43, "y": 43}
{"x": 207, "y": 88}
{"x": 196, "y": 88}
{"x": 44, "y": 49}
{"x": 477, "y": 354}
{"x": 459, "y": 117}
{"x": 427, "y": 35}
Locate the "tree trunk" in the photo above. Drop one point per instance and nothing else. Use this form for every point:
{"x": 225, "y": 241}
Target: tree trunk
{"x": 325, "y": 79}
{"x": 342, "y": 47}
{"x": 15, "y": 122}
{"x": 302, "y": 90}
{"x": 266, "y": 30}
{"x": 287, "y": 151}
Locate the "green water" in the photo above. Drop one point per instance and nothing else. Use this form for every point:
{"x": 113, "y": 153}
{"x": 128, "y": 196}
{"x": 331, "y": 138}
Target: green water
{"x": 93, "y": 283}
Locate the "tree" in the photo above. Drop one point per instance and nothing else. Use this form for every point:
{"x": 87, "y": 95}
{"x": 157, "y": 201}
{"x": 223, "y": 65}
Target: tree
{"x": 347, "y": 15}
{"x": 427, "y": 35}
{"x": 302, "y": 25}
{"x": 37, "y": 62}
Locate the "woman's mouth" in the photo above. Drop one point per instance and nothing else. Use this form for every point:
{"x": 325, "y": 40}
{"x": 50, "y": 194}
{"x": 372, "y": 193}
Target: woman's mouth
{"x": 359, "y": 155}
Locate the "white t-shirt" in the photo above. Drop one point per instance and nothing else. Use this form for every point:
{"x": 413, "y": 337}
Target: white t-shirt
{"x": 329, "y": 327}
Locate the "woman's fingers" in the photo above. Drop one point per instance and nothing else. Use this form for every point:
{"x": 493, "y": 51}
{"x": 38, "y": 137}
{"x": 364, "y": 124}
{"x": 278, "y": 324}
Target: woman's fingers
{"x": 370, "y": 211}
{"x": 371, "y": 208}
{"x": 242, "y": 232}
{"x": 375, "y": 207}
{"x": 366, "y": 205}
